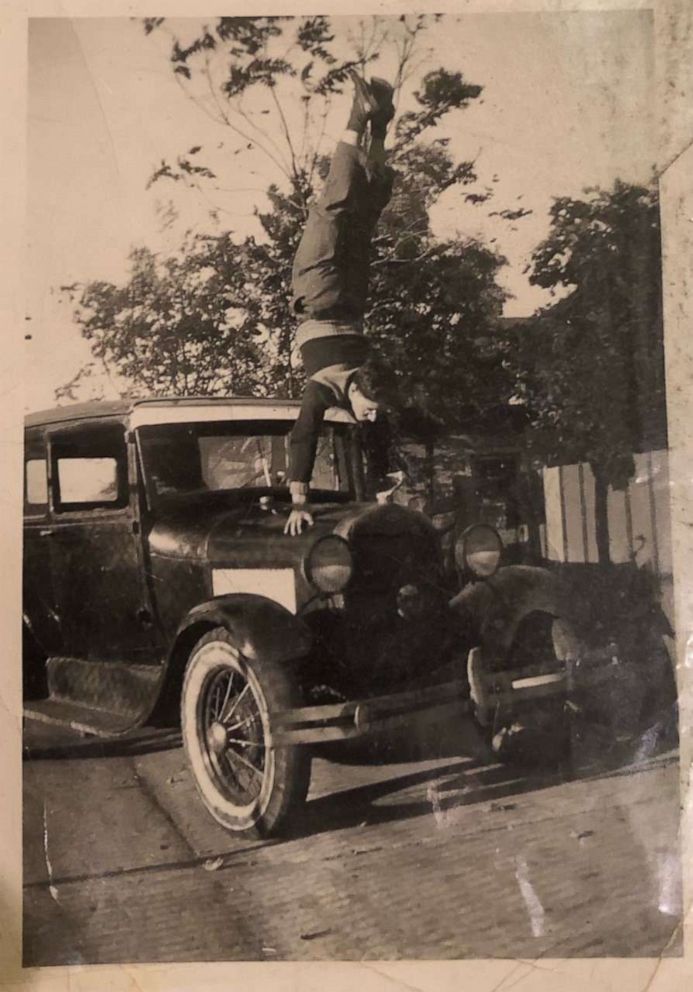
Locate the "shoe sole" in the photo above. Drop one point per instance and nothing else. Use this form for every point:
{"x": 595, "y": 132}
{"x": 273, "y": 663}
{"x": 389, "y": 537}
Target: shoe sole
{"x": 364, "y": 93}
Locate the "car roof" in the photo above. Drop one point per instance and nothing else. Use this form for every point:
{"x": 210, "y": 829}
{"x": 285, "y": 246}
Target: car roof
{"x": 168, "y": 409}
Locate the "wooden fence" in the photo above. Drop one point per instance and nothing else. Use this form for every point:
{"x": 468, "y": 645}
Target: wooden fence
{"x": 639, "y": 518}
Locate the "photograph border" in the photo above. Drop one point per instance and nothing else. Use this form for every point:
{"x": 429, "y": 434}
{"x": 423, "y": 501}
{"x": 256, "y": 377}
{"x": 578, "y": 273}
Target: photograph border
{"x": 674, "y": 100}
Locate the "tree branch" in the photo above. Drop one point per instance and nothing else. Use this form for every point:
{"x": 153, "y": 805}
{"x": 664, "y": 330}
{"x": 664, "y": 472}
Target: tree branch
{"x": 285, "y": 128}
{"x": 265, "y": 135}
{"x": 390, "y": 260}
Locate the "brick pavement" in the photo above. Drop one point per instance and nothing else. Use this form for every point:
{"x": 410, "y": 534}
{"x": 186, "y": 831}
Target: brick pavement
{"x": 448, "y": 858}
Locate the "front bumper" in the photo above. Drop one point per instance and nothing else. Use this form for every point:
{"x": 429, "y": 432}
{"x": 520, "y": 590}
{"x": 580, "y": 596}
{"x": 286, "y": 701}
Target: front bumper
{"x": 491, "y": 691}
{"x": 360, "y": 718}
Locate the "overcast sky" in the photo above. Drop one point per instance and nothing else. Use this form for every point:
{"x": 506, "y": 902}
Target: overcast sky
{"x": 567, "y": 103}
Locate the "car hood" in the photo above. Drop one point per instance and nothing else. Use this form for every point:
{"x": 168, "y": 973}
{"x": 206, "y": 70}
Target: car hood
{"x": 219, "y": 532}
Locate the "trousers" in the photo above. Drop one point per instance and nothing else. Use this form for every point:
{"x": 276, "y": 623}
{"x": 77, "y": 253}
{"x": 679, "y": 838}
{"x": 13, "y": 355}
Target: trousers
{"x": 332, "y": 264}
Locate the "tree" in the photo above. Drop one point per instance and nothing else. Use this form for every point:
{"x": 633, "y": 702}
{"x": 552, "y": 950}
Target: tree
{"x": 591, "y": 367}
{"x": 433, "y": 302}
{"x": 166, "y": 329}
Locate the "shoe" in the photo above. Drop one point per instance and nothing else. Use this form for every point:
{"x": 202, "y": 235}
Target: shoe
{"x": 364, "y": 106}
{"x": 383, "y": 93}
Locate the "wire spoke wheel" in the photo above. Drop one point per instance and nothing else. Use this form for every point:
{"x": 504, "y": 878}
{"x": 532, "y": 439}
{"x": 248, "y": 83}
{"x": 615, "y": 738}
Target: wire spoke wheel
{"x": 227, "y": 694}
{"x": 246, "y": 783}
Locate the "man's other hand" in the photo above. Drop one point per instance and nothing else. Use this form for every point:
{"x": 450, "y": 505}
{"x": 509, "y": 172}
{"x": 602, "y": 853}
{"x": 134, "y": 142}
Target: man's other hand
{"x": 398, "y": 479}
{"x": 298, "y": 519}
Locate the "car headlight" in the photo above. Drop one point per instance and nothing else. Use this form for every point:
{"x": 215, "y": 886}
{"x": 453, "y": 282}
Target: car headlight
{"x": 328, "y": 564}
{"x": 478, "y": 549}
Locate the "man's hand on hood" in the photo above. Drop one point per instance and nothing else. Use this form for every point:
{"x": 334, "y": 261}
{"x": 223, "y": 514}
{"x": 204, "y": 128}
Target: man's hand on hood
{"x": 298, "y": 519}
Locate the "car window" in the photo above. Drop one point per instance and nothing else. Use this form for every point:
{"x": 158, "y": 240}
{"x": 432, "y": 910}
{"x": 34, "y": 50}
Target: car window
{"x": 88, "y": 480}
{"x": 36, "y": 484}
{"x": 326, "y": 468}
{"x": 188, "y": 458}
{"x": 89, "y": 468}
{"x": 235, "y": 462}
{"x": 238, "y": 462}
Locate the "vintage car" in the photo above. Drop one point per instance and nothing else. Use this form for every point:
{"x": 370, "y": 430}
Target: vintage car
{"x": 159, "y": 587}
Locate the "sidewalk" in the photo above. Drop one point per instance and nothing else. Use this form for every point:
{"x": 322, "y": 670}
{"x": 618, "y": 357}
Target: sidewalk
{"x": 449, "y": 858}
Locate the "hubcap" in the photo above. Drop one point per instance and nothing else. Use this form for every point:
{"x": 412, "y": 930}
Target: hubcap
{"x": 217, "y": 737}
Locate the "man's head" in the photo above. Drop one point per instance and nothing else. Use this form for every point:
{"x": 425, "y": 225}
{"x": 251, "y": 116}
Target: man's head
{"x": 370, "y": 389}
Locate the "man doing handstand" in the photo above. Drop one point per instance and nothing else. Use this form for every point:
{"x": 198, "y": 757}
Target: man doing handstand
{"x": 330, "y": 287}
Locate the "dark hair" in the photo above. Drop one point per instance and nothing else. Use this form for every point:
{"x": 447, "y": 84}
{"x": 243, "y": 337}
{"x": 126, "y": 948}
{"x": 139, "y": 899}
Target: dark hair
{"x": 376, "y": 382}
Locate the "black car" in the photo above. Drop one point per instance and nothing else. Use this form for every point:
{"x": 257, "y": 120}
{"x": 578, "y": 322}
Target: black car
{"x": 159, "y": 586}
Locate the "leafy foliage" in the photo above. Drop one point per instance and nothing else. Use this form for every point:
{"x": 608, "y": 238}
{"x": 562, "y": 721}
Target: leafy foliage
{"x": 168, "y": 329}
{"x": 435, "y": 303}
{"x": 215, "y": 317}
{"x": 441, "y": 92}
{"x": 591, "y": 368}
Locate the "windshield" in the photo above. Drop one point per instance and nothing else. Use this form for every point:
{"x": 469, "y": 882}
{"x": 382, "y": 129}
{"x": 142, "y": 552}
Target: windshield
{"x": 181, "y": 459}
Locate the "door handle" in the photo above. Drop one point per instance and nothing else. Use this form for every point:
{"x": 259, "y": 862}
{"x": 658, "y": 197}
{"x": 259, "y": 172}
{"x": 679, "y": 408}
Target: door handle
{"x": 59, "y": 534}
{"x": 144, "y": 617}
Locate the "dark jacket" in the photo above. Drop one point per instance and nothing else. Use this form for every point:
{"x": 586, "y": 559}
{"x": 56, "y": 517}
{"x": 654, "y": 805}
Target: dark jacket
{"x": 318, "y": 397}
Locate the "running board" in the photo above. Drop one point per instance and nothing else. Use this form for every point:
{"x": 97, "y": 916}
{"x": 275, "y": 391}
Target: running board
{"x": 103, "y": 698}
{"x": 84, "y": 719}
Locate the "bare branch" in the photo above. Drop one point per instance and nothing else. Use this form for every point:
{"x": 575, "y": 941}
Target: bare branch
{"x": 285, "y": 128}
{"x": 198, "y": 103}
{"x": 240, "y": 189}
{"x": 226, "y": 120}
{"x": 210, "y": 83}
{"x": 318, "y": 144}
{"x": 239, "y": 109}
{"x": 389, "y": 260}
{"x": 280, "y": 163}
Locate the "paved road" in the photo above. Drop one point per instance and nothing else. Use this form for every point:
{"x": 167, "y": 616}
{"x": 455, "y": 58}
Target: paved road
{"x": 452, "y": 856}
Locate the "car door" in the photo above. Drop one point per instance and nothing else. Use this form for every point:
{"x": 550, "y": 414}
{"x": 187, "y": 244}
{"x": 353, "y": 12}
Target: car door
{"x": 96, "y": 553}
{"x": 38, "y": 598}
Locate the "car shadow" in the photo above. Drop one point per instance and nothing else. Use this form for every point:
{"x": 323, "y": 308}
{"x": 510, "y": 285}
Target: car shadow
{"x": 477, "y": 779}
{"x": 45, "y": 742}
{"x": 462, "y": 783}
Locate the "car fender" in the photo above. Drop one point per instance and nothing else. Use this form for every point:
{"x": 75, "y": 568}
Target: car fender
{"x": 495, "y": 608}
{"x": 260, "y": 627}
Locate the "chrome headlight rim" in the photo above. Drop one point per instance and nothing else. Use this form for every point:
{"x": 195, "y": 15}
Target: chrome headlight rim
{"x": 310, "y": 571}
{"x": 463, "y": 551}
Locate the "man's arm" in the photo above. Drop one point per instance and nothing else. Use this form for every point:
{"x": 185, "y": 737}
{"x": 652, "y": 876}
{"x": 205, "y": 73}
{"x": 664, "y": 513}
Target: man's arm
{"x": 303, "y": 444}
{"x": 384, "y": 461}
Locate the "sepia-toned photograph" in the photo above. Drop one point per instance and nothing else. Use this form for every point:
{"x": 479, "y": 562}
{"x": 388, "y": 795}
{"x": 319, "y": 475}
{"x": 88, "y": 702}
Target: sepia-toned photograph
{"x": 348, "y": 601}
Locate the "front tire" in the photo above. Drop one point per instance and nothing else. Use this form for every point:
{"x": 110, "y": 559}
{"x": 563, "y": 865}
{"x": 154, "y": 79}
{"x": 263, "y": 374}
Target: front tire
{"x": 248, "y": 785}
{"x": 530, "y": 733}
